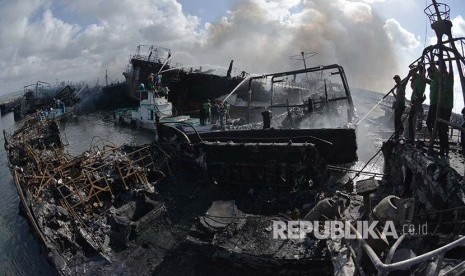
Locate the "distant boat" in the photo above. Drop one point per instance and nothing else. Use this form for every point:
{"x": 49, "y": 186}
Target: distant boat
{"x": 53, "y": 102}
{"x": 189, "y": 88}
{"x": 153, "y": 108}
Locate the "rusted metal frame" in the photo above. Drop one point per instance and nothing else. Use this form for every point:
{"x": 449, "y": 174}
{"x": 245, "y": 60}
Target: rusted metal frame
{"x": 108, "y": 187}
{"x": 82, "y": 201}
{"x": 73, "y": 184}
{"x": 121, "y": 176}
{"x": 94, "y": 194}
{"x": 142, "y": 178}
{"x": 41, "y": 184}
{"x": 130, "y": 171}
{"x": 30, "y": 152}
{"x": 145, "y": 162}
{"x": 142, "y": 158}
{"x": 140, "y": 161}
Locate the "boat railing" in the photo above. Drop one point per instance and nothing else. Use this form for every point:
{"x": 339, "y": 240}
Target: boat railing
{"x": 332, "y": 70}
{"x": 385, "y": 267}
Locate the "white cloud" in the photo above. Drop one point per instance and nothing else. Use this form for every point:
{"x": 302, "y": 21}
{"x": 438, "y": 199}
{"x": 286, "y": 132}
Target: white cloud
{"x": 38, "y": 44}
{"x": 372, "y": 1}
{"x": 458, "y": 26}
{"x": 401, "y": 36}
{"x": 356, "y": 11}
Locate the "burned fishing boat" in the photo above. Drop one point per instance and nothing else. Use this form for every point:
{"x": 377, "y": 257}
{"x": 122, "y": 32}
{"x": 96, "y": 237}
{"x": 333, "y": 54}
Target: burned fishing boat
{"x": 52, "y": 102}
{"x": 264, "y": 175}
{"x": 189, "y": 87}
{"x": 81, "y": 207}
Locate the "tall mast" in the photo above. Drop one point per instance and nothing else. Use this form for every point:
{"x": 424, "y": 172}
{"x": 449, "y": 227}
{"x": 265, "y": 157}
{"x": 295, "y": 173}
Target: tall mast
{"x": 439, "y": 16}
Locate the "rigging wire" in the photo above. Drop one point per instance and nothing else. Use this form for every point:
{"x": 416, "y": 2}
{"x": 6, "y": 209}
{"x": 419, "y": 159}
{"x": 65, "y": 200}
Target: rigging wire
{"x": 426, "y": 25}
{"x": 376, "y": 154}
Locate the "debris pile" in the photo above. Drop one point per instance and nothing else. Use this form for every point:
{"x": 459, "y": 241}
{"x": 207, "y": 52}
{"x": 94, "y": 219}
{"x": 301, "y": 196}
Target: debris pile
{"x": 86, "y": 205}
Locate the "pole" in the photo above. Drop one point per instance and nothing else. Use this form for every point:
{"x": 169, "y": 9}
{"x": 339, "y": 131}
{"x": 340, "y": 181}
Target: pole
{"x": 441, "y": 85}
{"x": 305, "y": 64}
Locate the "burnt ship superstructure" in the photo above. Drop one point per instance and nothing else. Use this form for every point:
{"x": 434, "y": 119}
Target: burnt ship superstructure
{"x": 189, "y": 88}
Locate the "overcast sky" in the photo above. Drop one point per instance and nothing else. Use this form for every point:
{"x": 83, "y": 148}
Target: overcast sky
{"x": 61, "y": 40}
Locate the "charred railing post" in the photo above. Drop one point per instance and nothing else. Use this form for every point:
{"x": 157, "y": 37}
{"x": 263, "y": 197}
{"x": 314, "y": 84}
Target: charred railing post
{"x": 267, "y": 114}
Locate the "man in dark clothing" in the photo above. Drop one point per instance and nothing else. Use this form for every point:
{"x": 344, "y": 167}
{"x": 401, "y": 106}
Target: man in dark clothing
{"x": 399, "y": 105}
{"x": 267, "y": 115}
{"x": 435, "y": 79}
{"x": 215, "y": 109}
{"x": 416, "y": 108}
{"x": 205, "y": 111}
{"x": 445, "y": 106}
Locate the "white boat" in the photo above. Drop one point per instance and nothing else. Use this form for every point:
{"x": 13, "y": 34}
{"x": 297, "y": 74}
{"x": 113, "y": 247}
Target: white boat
{"x": 152, "y": 109}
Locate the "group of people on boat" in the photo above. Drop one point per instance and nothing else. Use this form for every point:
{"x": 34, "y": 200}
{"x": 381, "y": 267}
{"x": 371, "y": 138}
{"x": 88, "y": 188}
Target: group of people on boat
{"x": 216, "y": 112}
{"x": 154, "y": 84}
{"x": 441, "y": 94}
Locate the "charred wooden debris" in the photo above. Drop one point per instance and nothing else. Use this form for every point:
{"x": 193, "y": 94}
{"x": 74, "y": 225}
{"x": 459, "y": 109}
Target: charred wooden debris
{"x": 84, "y": 205}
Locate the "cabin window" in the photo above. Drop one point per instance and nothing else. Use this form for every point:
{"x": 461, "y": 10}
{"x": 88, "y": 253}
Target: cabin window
{"x": 151, "y": 114}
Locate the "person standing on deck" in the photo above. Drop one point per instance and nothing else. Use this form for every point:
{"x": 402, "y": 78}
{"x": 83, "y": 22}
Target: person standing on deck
{"x": 445, "y": 106}
{"x": 151, "y": 82}
{"x": 399, "y": 104}
{"x": 417, "y": 99}
{"x": 202, "y": 116}
{"x": 434, "y": 81}
{"x": 228, "y": 108}
{"x": 205, "y": 112}
{"x": 222, "y": 110}
{"x": 215, "y": 112}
